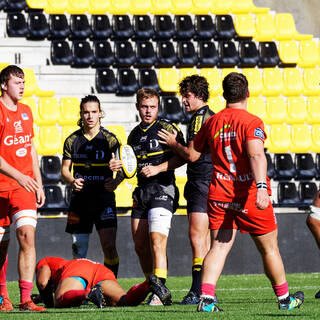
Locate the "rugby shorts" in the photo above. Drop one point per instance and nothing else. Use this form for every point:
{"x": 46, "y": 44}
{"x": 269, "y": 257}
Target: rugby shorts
{"x": 196, "y": 194}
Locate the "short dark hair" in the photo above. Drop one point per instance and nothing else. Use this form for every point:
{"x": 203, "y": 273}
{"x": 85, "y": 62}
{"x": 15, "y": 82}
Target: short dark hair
{"x": 197, "y": 85}
{"x": 235, "y": 87}
{"x": 88, "y": 98}
{"x": 145, "y": 93}
{"x": 8, "y": 71}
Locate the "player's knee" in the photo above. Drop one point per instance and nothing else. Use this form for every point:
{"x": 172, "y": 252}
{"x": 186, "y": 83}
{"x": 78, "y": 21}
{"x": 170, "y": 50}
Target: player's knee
{"x": 80, "y": 243}
{"x": 25, "y": 236}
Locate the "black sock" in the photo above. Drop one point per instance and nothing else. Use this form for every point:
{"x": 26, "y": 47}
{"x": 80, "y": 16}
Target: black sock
{"x": 196, "y": 279}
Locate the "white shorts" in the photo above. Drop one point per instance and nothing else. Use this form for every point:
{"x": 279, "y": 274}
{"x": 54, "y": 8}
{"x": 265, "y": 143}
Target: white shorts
{"x": 315, "y": 212}
{"x": 159, "y": 220}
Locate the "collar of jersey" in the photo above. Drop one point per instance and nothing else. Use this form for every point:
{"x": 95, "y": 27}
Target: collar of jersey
{"x": 93, "y": 136}
{"x": 148, "y": 127}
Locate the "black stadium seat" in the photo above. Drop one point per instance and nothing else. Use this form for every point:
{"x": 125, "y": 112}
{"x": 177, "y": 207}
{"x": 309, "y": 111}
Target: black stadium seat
{"x": 145, "y": 54}
{"x": 50, "y": 167}
{"x": 143, "y": 28}
{"x": 307, "y": 191}
{"x": 121, "y": 27}
{"x": 228, "y": 54}
{"x": 166, "y": 55}
{"x": 16, "y": 25}
{"x": 105, "y": 81}
{"x": 186, "y": 54}
{"x": 148, "y": 79}
{"x": 127, "y": 82}
{"x": 171, "y": 109}
{"x": 80, "y": 27}
{"x": 305, "y": 166}
{"x": 284, "y": 166}
{"x": 270, "y": 166}
{"x": 207, "y": 54}
{"x": 103, "y": 55}
{"x": 268, "y": 55}
{"x": 59, "y": 27}
{"x": 225, "y": 27}
{"x": 318, "y": 165}
{"x": 38, "y": 26}
{"x": 248, "y": 54}
{"x": 288, "y": 194}
{"x": 60, "y": 52}
{"x": 15, "y": 5}
{"x": 82, "y": 54}
{"x": 100, "y": 27}
{"x": 54, "y": 198}
{"x": 184, "y": 27}
{"x": 204, "y": 27}
{"x": 124, "y": 56}
{"x": 163, "y": 27}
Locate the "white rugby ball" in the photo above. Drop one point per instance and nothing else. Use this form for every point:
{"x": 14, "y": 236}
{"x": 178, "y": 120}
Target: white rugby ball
{"x": 126, "y": 154}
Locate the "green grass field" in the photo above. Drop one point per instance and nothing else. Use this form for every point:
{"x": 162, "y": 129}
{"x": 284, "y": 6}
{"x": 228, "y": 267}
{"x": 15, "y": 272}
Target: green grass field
{"x": 242, "y": 297}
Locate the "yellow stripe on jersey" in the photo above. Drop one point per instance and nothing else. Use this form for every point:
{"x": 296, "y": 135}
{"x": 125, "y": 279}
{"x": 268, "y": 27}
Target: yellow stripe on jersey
{"x": 91, "y": 164}
{"x": 144, "y": 156}
{"x": 197, "y": 124}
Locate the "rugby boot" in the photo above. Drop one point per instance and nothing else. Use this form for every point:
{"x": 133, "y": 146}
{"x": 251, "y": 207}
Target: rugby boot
{"x": 159, "y": 289}
{"x": 28, "y": 305}
{"x": 96, "y": 296}
{"x": 5, "y": 304}
{"x": 193, "y": 298}
{"x": 317, "y": 295}
{"x": 292, "y": 302}
{"x": 207, "y": 305}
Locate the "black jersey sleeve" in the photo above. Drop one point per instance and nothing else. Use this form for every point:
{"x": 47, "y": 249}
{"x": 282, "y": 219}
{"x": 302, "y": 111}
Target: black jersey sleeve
{"x": 197, "y": 121}
{"x": 67, "y": 147}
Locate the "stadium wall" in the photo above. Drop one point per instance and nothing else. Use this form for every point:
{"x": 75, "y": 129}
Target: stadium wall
{"x": 297, "y": 246}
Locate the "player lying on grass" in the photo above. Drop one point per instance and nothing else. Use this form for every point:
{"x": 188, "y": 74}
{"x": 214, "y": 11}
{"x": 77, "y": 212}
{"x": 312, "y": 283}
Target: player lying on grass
{"x": 75, "y": 281}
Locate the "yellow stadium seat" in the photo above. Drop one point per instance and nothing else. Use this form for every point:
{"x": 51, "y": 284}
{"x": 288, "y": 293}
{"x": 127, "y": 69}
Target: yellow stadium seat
{"x": 99, "y": 6}
{"x": 267, "y": 139}
{"x": 288, "y": 52}
{"x": 36, "y": 142}
{"x": 246, "y": 6}
{"x": 286, "y": 29}
{"x": 119, "y": 7}
{"x": 297, "y": 110}
{"x": 3, "y": 65}
{"x": 315, "y": 134}
{"x": 31, "y": 85}
{"x": 265, "y": 27}
{"x": 31, "y": 102}
{"x": 202, "y": 6}
{"x": 66, "y": 131}
{"x": 187, "y": 72}
{"x": 119, "y": 131}
{"x": 213, "y": 77}
{"x": 36, "y": 4}
{"x": 292, "y": 81}
{"x": 272, "y": 82}
{"x": 257, "y": 106}
{"x": 69, "y": 110}
{"x": 276, "y": 110}
{"x": 222, "y": 7}
{"x": 78, "y": 7}
{"x": 309, "y": 54}
{"x": 140, "y": 7}
{"x": 124, "y": 193}
{"x": 279, "y": 138}
{"x": 216, "y": 104}
{"x": 49, "y": 140}
{"x": 313, "y": 108}
{"x": 160, "y": 6}
{"x": 254, "y": 78}
{"x": 56, "y": 7}
{"x": 181, "y": 6}
{"x": 301, "y": 140}
{"x": 168, "y": 79}
{"x": 180, "y": 182}
{"x": 226, "y": 71}
{"x": 244, "y": 25}
{"x": 311, "y": 81}
{"x": 49, "y": 111}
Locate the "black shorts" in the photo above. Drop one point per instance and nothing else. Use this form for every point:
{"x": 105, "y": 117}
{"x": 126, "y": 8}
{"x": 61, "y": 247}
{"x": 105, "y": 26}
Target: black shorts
{"x": 196, "y": 194}
{"x": 88, "y": 209}
{"x": 154, "y": 195}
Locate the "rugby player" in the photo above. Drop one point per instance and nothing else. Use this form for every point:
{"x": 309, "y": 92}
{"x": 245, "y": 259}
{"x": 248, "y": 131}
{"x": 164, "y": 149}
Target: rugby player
{"x": 79, "y": 280}
{"x": 195, "y": 94}
{"x": 88, "y": 151}
{"x": 21, "y": 191}
{"x": 239, "y": 194}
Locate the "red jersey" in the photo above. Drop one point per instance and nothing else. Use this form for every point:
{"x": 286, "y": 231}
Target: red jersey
{"x": 226, "y": 134}
{"x": 16, "y": 132}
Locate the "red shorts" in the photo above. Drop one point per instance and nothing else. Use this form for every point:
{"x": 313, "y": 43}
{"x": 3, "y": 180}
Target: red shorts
{"x": 244, "y": 216}
{"x": 15, "y": 201}
{"x": 92, "y": 272}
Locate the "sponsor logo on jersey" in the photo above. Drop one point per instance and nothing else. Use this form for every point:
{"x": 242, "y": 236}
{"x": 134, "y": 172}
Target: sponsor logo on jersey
{"x": 154, "y": 144}
{"x": 99, "y": 154}
{"x": 258, "y": 132}
{"x": 228, "y": 136}
{"x": 143, "y": 138}
{"x": 24, "y": 116}
{"x": 89, "y": 178}
{"x": 14, "y": 140}
{"x": 240, "y": 178}
{"x": 230, "y": 205}
{"x": 162, "y": 197}
{"x": 21, "y": 152}
{"x": 89, "y": 148}
{"x": 17, "y": 126}
{"x": 107, "y": 214}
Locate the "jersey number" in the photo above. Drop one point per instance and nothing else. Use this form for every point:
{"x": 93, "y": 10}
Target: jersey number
{"x": 228, "y": 152}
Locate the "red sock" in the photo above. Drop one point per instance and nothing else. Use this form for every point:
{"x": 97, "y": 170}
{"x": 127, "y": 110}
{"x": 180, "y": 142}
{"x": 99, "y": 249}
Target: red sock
{"x": 72, "y": 298}
{"x": 25, "y": 290}
{"x": 281, "y": 290}
{"x": 137, "y": 293}
{"x": 208, "y": 289}
{"x": 3, "y": 276}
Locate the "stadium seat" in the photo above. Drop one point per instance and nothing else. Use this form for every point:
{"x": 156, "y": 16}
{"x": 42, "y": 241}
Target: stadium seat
{"x": 313, "y": 110}
{"x": 268, "y": 55}
{"x": 307, "y": 191}
{"x": 103, "y": 55}
{"x": 32, "y": 103}
{"x": 228, "y": 55}
{"x": 257, "y": 106}
{"x": 50, "y": 167}
{"x": 226, "y": 71}
{"x": 288, "y": 194}
{"x": 105, "y": 81}
{"x": 143, "y": 28}
{"x": 67, "y": 194}
{"x": 187, "y": 72}
{"x": 168, "y": 79}
{"x": 78, "y": 7}
{"x": 60, "y": 52}
{"x": 267, "y": 139}
{"x": 3, "y": 65}
{"x": 301, "y": 140}
{"x": 49, "y": 111}
{"x": 288, "y": 53}
{"x": 122, "y": 27}
{"x": 2, "y": 4}
{"x": 16, "y": 24}
{"x": 184, "y": 27}
{"x": 100, "y": 27}
{"x": 59, "y": 27}
{"x": 38, "y": 28}
{"x": 99, "y": 7}
{"x": 119, "y": 7}
{"x": 147, "y": 78}
{"x": 276, "y": 110}
{"x": 309, "y": 54}
{"x": 270, "y": 166}
{"x": 318, "y": 165}
{"x": 186, "y": 55}
{"x": 286, "y": 29}
{"x": 124, "y": 56}
{"x": 311, "y": 80}
{"x": 216, "y": 104}
{"x": 222, "y": 7}
{"x": 80, "y": 27}
{"x": 160, "y": 7}
{"x": 284, "y": 168}
{"x": 15, "y": 5}
{"x": 31, "y": 85}
{"x": 272, "y": 82}
{"x": 127, "y": 82}
{"x": 204, "y": 27}
{"x": 119, "y": 132}
{"x": 265, "y": 27}
{"x": 248, "y": 54}
{"x": 246, "y": 6}
{"x": 49, "y": 140}
{"x": 292, "y": 81}
{"x": 138, "y": 7}
{"x": 56, "y": 7}
{"x": 145, "y": 55}
{"x": 181, "y": 182}
{"x": 163, "y": 27}
{"x": 166, "y": 55}
{"x": 305, "y": 166}
{"x": 244, "y": 26}
{"x": 207, "y": 54}
{"x": 171, "y": 109}
{"x": 66, "y": 131}
{"x": 296, "y": 110}
{"x": 54, "y": 198}
{"x": 69, "y": 111}
{"x": 225, "y": 27}
{"x": 123, "y": 194}
{"x": 82, "y": 54}
{"x": 180, "y": 7}
{"x": 279, "y": 138}
{"x": 254, "y": 78}
{"x": 35, "y": 4}
{"x": 315, "y": 134}
{"x": 214, "y": 79}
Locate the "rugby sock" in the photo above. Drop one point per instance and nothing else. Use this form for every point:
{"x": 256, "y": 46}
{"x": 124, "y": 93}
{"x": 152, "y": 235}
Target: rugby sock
{"x": 72, "y": 298}
{"x": 196, "y": 275}
{"x": 137, "y": 293}
{"x": 25, "y": 290}
{"x": 281, "y": 291}
{"x": 161, "y": 274}
{"x": 3, "y": 276}
{"x": 208, "y": 290}
{"x": 112, "y": 264}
